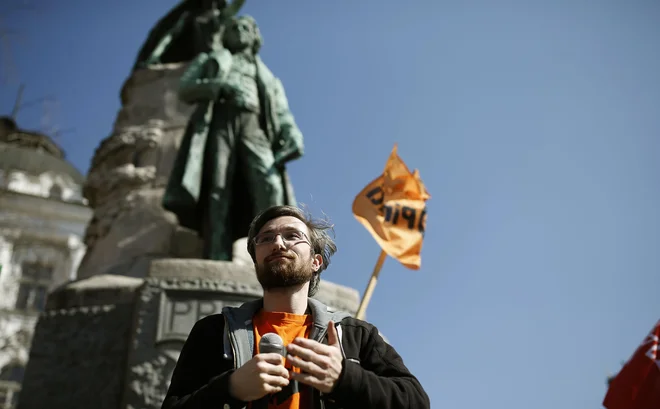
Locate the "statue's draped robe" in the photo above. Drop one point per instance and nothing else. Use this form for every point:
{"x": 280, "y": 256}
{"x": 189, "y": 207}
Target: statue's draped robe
{"x": 187, "y": 193}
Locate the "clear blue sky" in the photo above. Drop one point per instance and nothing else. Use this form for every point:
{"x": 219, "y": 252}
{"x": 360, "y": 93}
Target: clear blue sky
{"x": 535, "y": 126}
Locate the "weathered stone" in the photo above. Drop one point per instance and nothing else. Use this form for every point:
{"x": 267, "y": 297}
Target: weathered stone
{"x": 126, "y": 229}
{"x": 240, "y": 253}
{"x": 186, "y": 244}
{"x": 152, "y": 94}
{"x": 129, "y": 171}
{"x": 78, "y": 358}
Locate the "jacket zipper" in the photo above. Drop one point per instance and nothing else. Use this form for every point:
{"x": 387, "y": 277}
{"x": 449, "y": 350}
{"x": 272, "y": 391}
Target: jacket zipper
{"x": 319, "y": 338}
{"x": 231, "y": 341}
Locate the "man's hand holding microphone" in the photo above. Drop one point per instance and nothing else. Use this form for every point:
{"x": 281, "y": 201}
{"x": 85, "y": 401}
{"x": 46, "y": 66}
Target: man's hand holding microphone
{"x": 265, "y": 373}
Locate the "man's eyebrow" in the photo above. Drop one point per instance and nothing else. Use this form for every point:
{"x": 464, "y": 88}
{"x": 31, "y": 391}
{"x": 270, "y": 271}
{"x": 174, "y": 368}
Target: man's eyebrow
{"x": 289, "y": 227}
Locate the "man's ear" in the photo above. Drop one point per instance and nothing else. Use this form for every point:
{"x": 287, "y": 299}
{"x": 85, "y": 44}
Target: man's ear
{"x": 317, "y": 262}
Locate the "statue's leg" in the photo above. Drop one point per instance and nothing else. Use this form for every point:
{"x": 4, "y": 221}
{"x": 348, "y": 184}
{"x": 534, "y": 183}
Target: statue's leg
{"x": 220, "y": 168}
{"x": 264, "y": 181}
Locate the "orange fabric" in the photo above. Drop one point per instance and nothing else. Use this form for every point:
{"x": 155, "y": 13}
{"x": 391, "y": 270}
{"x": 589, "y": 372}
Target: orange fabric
{"x": 288, "y": 326}
{"x": 393, "y": 210}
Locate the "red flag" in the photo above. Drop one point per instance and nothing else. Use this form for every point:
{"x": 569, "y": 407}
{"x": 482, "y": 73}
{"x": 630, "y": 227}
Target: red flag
{"x": 637, "y": 385}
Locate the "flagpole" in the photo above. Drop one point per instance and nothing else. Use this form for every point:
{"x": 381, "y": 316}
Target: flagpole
{"x": 370, "y": 287}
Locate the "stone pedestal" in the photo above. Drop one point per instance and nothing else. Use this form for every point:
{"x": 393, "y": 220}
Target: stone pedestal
{"x": 111, "y": 341}
{"x": 127, "y": 179}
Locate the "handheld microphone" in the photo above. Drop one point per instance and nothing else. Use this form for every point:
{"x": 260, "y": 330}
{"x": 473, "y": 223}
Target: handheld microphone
{"x": 268, "y": 344}
{"x": 272, "y": 343}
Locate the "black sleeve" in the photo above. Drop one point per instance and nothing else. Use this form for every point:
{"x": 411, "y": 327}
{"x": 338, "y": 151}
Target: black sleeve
{"x": 194, "y": 385}
{"x": 380, "y": 380}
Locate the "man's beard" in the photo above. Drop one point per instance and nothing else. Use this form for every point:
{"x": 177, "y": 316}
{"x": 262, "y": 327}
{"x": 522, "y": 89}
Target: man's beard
{"x": 286, "y": 273}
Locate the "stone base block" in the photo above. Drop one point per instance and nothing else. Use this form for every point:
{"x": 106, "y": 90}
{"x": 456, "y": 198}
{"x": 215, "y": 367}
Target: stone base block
{"x": 111, "y": 341}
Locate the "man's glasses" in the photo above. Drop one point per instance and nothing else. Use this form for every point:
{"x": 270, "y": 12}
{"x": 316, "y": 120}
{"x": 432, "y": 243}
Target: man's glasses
{"x": 289, "y": 237}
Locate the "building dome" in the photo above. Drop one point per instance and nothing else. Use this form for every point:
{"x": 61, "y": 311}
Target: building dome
{"x": 32, "y": 163}
{"x": 36, "y": 162}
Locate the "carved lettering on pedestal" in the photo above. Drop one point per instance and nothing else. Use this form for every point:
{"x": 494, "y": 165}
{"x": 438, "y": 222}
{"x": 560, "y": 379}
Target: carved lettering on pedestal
{"x": 181, "y": 309}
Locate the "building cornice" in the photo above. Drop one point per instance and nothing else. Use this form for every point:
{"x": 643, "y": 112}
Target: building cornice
{"x": 44, "y": 208}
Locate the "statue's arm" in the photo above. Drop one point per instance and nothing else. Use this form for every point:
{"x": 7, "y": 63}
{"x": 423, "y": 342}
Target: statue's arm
{"x": 290, "y": 138}
{"x": 204, "y": 77}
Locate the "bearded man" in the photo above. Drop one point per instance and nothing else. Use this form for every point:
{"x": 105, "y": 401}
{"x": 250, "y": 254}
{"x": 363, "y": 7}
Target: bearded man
{"x": 333, "y": 360}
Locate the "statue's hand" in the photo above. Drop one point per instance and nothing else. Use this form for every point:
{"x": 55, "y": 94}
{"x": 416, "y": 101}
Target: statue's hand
{"x": 288, "y": 152}
{"x": 278, "y": 161}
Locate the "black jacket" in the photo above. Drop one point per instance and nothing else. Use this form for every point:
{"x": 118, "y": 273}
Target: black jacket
{"x": 373, "y": 375}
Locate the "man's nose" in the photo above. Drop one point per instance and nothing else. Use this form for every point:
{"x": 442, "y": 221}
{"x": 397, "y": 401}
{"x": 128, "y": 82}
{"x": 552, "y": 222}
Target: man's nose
{"x": 279, "y": 241}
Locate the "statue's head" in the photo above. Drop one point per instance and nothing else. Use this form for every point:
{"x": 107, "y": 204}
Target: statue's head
{"x": 242, "y": 33}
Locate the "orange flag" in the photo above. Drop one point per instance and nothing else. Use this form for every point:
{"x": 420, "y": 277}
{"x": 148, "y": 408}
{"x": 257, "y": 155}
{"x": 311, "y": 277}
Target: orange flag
{"x": 393, "y": 210}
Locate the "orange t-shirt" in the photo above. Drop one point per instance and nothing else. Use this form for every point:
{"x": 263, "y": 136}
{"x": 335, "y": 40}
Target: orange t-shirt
{"x": 288, "y": 326}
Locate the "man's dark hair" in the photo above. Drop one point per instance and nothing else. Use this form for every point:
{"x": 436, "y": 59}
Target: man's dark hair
{"x": 319, "y": 236}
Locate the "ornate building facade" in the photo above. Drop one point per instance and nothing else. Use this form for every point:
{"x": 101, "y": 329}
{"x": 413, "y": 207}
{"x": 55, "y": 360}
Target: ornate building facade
{"x": 43, "y": 218}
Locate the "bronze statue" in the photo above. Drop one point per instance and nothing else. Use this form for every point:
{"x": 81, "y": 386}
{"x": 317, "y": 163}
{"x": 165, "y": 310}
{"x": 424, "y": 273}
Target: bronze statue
{"x": 230, "y": 164}
{"x": 181, "y": 34}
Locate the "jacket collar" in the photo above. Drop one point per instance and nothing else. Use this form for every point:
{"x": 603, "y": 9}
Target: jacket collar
{"x": 239, "y": 333}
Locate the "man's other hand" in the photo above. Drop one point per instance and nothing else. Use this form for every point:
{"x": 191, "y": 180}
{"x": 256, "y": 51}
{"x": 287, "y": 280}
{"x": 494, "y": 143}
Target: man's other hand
{"x": 320, "y": 364}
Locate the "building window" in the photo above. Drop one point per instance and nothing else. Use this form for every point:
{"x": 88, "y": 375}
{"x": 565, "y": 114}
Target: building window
{"x": 11, "y": 377}
{"x": 55, "y": 192}
{"x": 33, "y": 286}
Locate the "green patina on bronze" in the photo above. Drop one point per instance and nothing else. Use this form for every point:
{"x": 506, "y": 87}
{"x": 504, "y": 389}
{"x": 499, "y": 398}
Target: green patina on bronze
{"x": 231, "y": 162}
{"x": 180, "y": 35}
